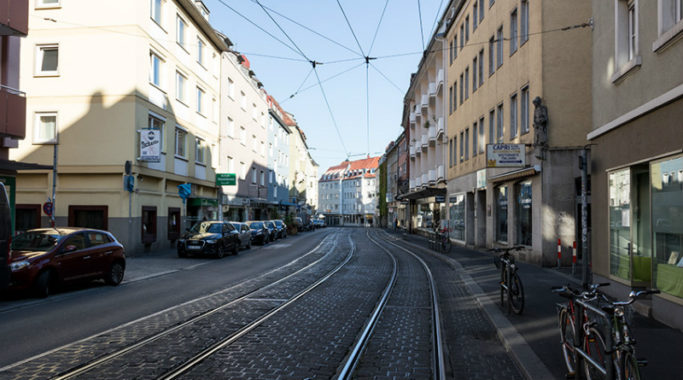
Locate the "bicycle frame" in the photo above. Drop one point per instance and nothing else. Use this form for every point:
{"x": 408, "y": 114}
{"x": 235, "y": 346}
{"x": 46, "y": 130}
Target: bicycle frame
{"x": 584, "y": 305}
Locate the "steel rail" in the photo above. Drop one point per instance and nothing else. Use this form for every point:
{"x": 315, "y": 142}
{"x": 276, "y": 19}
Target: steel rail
{"x": 255, "y": 323}
{"x": 362, "y": 342}
{"x": 99, "y": 361}
{"x": 439, "y": 361}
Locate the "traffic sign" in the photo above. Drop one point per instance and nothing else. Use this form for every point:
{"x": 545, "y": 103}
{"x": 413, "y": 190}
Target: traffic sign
{"x": 226, "y": 179}
{"x": 47, "y": 208}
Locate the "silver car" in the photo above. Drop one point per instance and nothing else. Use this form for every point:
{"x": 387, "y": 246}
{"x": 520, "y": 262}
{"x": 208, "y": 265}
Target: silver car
{"x": 244, "y": 234}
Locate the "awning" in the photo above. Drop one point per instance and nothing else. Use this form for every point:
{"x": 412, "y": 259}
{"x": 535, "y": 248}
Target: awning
{"x": 424, "y": 193}
{"x": 202, "y": 202}
{"x": 282, "y": 203}
{"x": 13, "y": 166}
{"x": 519, "y": 173}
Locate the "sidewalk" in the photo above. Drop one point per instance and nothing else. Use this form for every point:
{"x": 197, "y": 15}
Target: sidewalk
{"x": 158, "y": 263}
{"x": 533, "y": 337}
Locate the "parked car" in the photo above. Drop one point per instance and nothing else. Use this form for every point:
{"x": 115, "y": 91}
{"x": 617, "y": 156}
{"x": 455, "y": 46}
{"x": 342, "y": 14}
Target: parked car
{"x": 298, "y": 223}
{"x": 244, "y": 234}
{"x": 281, "y": 228}
{"x": 5, "y": 237}
{"x": 272, "y": 230}
{"x": 317, "y": 223}
{"x": 44, "y": 258}
{"x": 209, "y": 238}
{"x": 259, "y": 232}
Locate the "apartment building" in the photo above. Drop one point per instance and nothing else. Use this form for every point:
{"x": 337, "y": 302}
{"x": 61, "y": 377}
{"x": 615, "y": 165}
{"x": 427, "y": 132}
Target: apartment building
{"x": 278, "y": 158}
{"x": 303, "y": 172}
{"x": 395, "y": 175}
{"x": 118, "y": 88}
{"x": 637, "y": 151}
{"x": 348, "y": 192}
{"x": 425, "y": 129}
{"x": 244, "y": 119}
{"x": 519, "y": 106}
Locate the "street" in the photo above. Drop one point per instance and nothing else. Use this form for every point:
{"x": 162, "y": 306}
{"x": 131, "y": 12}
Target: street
{"x": 298, "y": 308}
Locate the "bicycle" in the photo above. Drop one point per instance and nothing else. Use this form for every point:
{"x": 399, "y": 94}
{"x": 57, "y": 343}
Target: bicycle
{"x": 440, "y": 240}
{"x": 511, "y": 289}
{"x": 569, "y": 323}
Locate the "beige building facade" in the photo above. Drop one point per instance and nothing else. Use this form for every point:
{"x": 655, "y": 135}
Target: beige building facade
{"x": 100, "y": 75}
{"x": 637, "y": 151}
{"x": 501, "y": 56}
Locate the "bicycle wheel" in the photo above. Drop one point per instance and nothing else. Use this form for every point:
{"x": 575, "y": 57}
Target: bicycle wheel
{"x": 628, "y": 367}
{"x": 567, "y": 340}
{"x": 503, "y": 291}
{"x": 516, "y": 293}
{"x": 595, "y": 347}
{"x": 446, "y": 244}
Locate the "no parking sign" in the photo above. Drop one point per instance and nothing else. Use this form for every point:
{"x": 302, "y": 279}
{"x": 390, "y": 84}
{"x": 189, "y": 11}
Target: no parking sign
{"x": 47, "y": 208}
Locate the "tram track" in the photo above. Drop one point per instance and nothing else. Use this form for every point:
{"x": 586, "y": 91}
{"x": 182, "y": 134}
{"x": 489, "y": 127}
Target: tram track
{"x": 76, "y": 370}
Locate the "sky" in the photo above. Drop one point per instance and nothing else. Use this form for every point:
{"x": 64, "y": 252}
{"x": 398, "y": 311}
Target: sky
{"x": 280, "y": 50}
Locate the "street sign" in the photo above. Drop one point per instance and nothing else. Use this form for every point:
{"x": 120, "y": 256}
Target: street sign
{"x": 47, "y": 208}
{"x": 505, "y": 155}
{"x": 226, "y": 179}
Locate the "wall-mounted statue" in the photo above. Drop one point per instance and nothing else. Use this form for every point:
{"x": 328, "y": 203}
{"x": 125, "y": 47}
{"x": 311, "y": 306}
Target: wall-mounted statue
{"x": 540, "y": 127}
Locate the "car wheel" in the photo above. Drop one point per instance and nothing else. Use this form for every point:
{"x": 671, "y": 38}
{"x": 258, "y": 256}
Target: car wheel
{"x": 219, "y": 251}
{"x": 236, "y": 249}
{"x": 115, "y": 275}
{"x": 249, "y": 244}
{"x": 43, "y": 284}
{"x": 182, "y": 253}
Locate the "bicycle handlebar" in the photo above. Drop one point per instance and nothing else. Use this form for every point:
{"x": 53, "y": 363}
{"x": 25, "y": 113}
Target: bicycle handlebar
{"x": 506, "y": 249}
{"x": 633, "y": 296}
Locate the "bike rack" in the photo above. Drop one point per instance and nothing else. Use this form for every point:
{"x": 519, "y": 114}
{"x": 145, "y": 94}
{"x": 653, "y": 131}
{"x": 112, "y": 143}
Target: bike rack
{"x": 578, "y": 349}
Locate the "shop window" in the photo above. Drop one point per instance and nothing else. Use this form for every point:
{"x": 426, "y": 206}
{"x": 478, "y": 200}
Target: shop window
{"x": 89, "y": 217}
{"x": 456, "y": 215}
{"x": 27, "y": 217}
{"x": 667, "y": 224}
{"x": 149, "y": 224}
{"x": 173, "y": 230}
{"x": 424, "y": 216}
{"x": 524, "y": 219}
{"x": 501, "y": 213}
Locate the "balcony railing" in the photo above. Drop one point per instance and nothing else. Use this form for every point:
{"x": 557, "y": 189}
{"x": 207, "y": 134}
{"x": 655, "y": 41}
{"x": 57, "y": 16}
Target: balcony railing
{"x": 432, "y": 176}
{"x": 412, "y": 150}
{"x": 425, "y": 101}
{"x": 432, "y": 89}
{"x": 439, "y": 80}
{"x": 424, "y": 141}
{"x": 440, "y": 129}
{"x": 412, "y": 119}
{"x": 412, "y": 184}
{"x": 432, "y": 134}
{"x": 440, "y": 173}
{"x": 12, "y": 112}
{"x": 425, "y": 179}
{"x": 14, "y": 18}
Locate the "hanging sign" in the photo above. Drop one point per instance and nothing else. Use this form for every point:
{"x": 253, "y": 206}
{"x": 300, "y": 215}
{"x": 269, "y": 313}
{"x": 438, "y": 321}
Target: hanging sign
{"x": 505, "y": 155}
{"x": 150, "y": 145}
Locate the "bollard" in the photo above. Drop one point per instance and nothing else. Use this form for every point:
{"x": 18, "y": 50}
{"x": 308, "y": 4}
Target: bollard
{"x": 559, "y": 252}
{"x": 573, "y": 257}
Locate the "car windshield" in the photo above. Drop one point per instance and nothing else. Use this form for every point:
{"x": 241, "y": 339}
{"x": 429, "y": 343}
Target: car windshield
{"x": 256, "y": 225}
{"x": 204, "y": 227}
{"x": 278, "y": 223}
{"x": 35, "y": 241}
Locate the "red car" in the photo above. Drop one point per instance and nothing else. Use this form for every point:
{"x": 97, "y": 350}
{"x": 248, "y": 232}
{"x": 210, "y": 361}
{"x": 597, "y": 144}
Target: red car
{"x": 41, "y": 259}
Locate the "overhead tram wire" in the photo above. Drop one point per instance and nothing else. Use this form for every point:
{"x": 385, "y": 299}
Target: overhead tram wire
{"x": 307, "y": 28}
{"x": 285, "y": 33}
{"x": 351, "y": 28}
{"x": 324, "y": 80}
{"x": 422, "y": 33}
{"x": 334, "y": 121}
{"x": 378, "y": 25}
{"x": 436, "y": 17}
{"x": 387, "y": 79}
{"x": 301, "y": 85}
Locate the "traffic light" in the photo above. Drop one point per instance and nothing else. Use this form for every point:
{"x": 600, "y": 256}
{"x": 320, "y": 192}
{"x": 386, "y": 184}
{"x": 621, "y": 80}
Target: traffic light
{"x": 129, "y": 183}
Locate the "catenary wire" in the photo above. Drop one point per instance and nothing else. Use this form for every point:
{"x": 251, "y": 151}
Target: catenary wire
{"x": 387, "y": 79}
{"x": 283, "y": 31}
{"x": 378, "y": 25}
{"x": 324, "y": 80}
{"x": 334, "y": 121}
{"x": 351, "y": 28}
{"x": 422, "y": 33}
{"x": 436, "y": 17}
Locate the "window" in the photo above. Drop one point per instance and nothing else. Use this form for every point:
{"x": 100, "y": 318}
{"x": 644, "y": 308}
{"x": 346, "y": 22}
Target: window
{"x": 47, "y": 58}
{"x": 626, "y": 37}
{"x": 154, "y": 122}
{"x": 482, "y": 141}
{"x": 456, "y": 213}
{"x": 450, "y": 100}
{"x": 450, "y": 153}
{"x": 513, "y": 31}
{"x": 499, "y": 125}
{"x": 200, "y": 101}
{"x": 513, "y": 116}
{"x": 254, "y": 145}
{"x": 524, "y": 117}
{"x": 632, "y": 31}
{"x": 155, "y": 69}
{"x": 243, "y": 171}
{"x": 263, "y": 178}
{"x": 243, "y": 100}
{"x": 523, "y": 214}
{"x": 492, "y": 65}
{"x": 501, "y": 194}
{"x": 499, "y": 46}
{"x": 180, "y": 86}
{"x": 467, "y": 29}
{"x": 231, "y": 89}
{"x": 670, "y": 16}
{"x": 462, "y": 147}
{"x": 491, "y": 3}
{"x": 253, "y": 175}
{"x": 462, "y": 80}
{"x": 254, "y": 112}
{"x": 524, "y": 35}
{"x": 231, "y": 128}
{"x": 180, "y": 31}
{"x": 492, "y": 121}
{"x": 474, "y": 139}
{"x": 475, "y": 12}
{"x": 199, "y": 148}
{"x": 180, "y": 142}
{"x": 231, "y": 165}
{"x": 467, "y": 82}
{"x": 455, "y": 95}
{"x": 155, "y": 11}
{"x": 474, "y": 74}
{"x": 200, "y": 51}
{"x": 455, "y": 47}
{"x": 481, "y": 10}
{"x": 462, "y": 35}
{"x": 481, "y": 67}
{"x": 467, "y": 144}
{"x": 45, "y": 131}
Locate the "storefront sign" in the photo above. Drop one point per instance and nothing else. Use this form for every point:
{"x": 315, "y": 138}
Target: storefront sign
{"x": 150, "y": 145}
{"x": 505, "y": 155}
{"x": 226, "y": 179}
{"x": 481, "y": 179}
{"x": 439, "y": 198}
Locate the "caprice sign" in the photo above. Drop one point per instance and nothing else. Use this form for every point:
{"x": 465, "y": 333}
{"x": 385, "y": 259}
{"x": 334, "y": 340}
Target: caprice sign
{"x": 150, "y": 145}
{"x": 505, "y": 155}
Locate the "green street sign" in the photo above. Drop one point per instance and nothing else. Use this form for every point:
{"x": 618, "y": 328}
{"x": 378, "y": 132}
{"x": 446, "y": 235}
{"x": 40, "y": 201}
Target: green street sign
{"x": 226, "y": 179}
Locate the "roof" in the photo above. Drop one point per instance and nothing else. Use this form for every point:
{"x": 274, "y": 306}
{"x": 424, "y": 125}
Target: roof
{"x": 352, "y": 169}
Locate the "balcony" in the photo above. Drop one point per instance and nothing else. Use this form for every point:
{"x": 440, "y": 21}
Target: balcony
{"x": 12, "y": 113}
{"x": 425, "y": 179}
{"x": 411, "y": 184}
{"x": 412, "y": 150}
{"x": 432, "y": 176}
{"x": 412, "y": 119}
{"x": 418, "y": 112}
{"x": 418, "y": 181}
{"x": 440, "y": 173}
{"x": 439, "y": 80}
{"x": 424, "y": 103}
{"x": 440, "y": 128}
{"x": 432, "y": 89}
{"x": 14, "y": 18}
{"x": 424, "y": 142}
{"x": 432, "y": 135}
